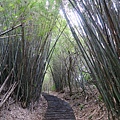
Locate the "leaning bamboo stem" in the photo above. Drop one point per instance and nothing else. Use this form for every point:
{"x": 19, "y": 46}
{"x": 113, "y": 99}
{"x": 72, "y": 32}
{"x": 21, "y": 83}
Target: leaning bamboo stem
{"x": 10, "y": 29}
{"x": 3, "y": 85}
{"x": 8, "y": 93}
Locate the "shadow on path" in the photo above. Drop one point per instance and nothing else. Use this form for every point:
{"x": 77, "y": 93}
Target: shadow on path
{"x": 58, "y": 109}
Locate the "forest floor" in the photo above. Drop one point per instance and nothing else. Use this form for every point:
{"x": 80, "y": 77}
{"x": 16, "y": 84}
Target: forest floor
{"x": 89, "y": 107}
{"x": 14, "y": 111}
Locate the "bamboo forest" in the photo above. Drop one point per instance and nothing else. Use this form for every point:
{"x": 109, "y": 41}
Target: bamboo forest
{"x": 59, "y": 59}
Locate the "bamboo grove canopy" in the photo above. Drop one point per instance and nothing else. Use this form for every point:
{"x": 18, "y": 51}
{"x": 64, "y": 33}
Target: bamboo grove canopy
{"x": 26, "y": 31}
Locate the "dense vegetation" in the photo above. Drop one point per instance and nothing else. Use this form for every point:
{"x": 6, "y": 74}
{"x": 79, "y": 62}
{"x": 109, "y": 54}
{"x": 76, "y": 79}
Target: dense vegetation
{"x": 71, "y": 43}
{"x": 98, "y": 25}
{"x": 26, "y": 31}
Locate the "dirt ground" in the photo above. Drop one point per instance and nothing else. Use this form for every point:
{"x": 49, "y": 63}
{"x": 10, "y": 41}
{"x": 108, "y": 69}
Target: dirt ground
{"x": 86, "y": 107}
{"x": 15, "y": 112}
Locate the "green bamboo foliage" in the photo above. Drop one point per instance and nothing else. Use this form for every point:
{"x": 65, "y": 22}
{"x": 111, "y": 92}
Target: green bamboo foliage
{"x": 98, "y": 30}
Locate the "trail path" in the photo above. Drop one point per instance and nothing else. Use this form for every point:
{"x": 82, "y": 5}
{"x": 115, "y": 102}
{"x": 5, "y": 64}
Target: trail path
{"x": 57, "y": 109}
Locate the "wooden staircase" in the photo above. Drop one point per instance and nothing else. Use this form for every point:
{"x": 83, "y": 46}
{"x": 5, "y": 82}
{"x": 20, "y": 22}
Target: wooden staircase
{"x": 58, "y": 109}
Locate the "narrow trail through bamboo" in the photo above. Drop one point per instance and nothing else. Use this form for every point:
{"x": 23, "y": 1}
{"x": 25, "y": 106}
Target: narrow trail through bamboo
{"x": 58, "y": 109}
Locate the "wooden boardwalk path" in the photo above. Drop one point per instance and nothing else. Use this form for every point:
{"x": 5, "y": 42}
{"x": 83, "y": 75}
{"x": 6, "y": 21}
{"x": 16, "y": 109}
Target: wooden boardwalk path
{"x": 58, "y": 109}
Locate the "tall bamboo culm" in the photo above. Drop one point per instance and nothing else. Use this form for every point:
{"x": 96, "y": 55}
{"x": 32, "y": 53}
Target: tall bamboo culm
{"x": 98, "y": 30}
{"x": 25, "y": 37}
